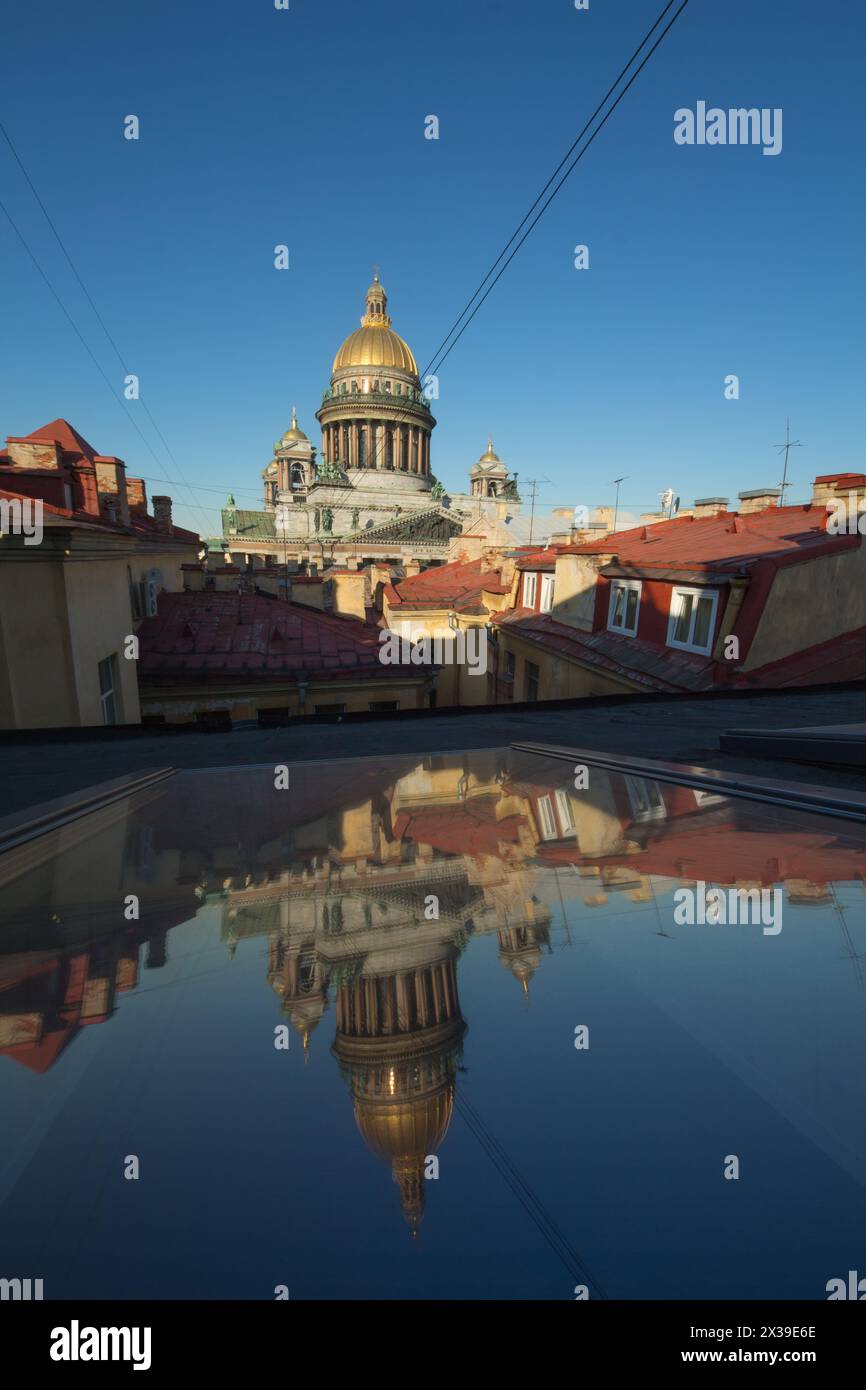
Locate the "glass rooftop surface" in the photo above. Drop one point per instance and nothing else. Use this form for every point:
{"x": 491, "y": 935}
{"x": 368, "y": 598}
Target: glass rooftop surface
{"x": 439, "y": 1028}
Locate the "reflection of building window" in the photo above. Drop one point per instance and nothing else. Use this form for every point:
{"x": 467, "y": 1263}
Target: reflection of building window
{"x": 546, "y": 592}
{"x": 109, "y": 695}
{"x": 646, "y": 798}
{"x": 564, "y": 811}
{"x": 708, "y": 798}
{"x": 531, "y": 680}
{"x": 547, "y": 819}
{"x": 692, "y": 617}
{"x": 529, "y": 590}
{"x": 384, "y": 704}
{"x": 624, "y": 605}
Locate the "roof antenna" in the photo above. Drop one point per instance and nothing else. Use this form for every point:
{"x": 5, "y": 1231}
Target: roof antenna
{"x": 783, "y": 449}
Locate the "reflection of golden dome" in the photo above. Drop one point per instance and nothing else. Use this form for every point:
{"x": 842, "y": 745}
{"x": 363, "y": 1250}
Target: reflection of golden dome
{"x": 406, "y": 1128}
{"x": 375, "y": 344}
{"x": 404, "y": 1133}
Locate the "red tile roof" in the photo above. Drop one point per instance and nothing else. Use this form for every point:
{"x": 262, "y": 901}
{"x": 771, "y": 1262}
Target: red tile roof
{"x": 726, "y": 541}
{"x": 459, "y": 585}
{"x": 62, "y": 433}
{"x": 199, "y": 636}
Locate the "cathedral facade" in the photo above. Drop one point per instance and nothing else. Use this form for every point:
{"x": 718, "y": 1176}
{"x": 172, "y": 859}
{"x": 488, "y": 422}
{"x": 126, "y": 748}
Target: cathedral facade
{"x": 371, "y": 484}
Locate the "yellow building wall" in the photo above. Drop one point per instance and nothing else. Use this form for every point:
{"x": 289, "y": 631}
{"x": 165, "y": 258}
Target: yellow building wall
{"x": 37, "y": 685}
{"x": 558, "y": 678}
{"x": 100, "y": 618}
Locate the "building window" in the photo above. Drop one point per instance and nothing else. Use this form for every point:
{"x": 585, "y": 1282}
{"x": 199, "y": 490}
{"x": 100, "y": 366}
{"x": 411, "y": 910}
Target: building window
{"x": 624, "y": 604}
{"x": 566, "y": 814}
{"x": 67, "y": 497}
{"x": 546, "y": 592}
{"x": 531, "y": 681}
{"x": 384, "y": 704}
{"x": 330, "y": 709}
{"x": 547, "y": 819}
{"x": 529, "y": 582}
{"x": 692, "y": 618}
{"x": 109, "y": 694}
{"x": 647, "y": 802}
{"x": 510, "y": 663}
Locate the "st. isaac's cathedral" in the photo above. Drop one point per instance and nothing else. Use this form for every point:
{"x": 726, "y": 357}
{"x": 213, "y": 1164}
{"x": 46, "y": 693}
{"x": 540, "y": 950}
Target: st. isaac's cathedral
{"x": 372, "y": 484}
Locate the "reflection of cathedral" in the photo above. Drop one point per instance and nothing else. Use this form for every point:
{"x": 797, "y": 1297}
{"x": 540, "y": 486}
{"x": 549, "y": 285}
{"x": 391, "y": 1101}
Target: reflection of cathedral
{"x": 367, "y": 894}
{"x": 373, "y": 482}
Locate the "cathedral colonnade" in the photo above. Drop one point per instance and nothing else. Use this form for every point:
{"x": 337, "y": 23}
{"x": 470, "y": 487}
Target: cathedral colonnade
{"x": 369, "y": 443}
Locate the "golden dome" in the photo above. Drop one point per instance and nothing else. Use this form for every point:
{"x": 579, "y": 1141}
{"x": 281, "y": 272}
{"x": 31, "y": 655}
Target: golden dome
{"x": 375, "y": 344}
{"x": 294, "y": 435}
{"x": 488, "y": 461}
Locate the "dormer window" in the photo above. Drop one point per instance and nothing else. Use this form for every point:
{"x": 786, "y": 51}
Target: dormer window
{"x": 529, "y": 587}
{"x": 622, "y": 613}
{"x": 692, "y": 619}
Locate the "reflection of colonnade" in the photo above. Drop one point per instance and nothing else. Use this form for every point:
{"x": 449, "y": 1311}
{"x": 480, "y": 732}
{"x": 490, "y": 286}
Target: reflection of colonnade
{"x": 398, "y": 1044}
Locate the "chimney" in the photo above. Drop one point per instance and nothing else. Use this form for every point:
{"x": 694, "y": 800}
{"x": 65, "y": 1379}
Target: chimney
{"x": 759, "y": 499}
{"x": 193, "y": 577}
{"x": 708, "y": 506}
{"x": 833, "y": 487}
{"x": 111, "y": 484}
{"x": 162, "y": 514}
{"x": 136, "y": 493}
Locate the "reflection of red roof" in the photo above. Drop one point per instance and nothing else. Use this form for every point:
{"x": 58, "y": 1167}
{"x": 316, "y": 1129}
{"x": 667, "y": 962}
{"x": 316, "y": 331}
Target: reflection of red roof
{"x": 459, "y": 585}
{"x": 726, "y": 541}
{"x": 198, "y": 635}
{"x": 471, "y": 829}
{"x": 41, "y": 1056}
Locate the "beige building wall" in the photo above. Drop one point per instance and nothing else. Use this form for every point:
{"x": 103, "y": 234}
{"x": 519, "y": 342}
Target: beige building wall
{"x": 179, "y": 705}
{"x": 811, "y": 603}
{"x": 99, "y": 616}
{"x": 558, "y": 678}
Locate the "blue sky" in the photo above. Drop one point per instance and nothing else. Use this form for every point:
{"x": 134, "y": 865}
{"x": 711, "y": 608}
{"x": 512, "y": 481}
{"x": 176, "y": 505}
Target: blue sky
{"x": 306, "y": 127}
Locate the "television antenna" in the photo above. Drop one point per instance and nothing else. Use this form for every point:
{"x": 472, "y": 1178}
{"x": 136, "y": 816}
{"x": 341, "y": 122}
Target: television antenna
{"x": 615, "y": 482}
{"x": 785, "y": 449}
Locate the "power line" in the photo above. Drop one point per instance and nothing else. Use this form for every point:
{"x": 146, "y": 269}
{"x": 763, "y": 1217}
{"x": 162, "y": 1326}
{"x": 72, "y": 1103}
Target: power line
{"x": 96, "y": 312}
{"x": 568, "y": 171}
{"x": 565, "y": 157}
{"x": 436, "y": 362}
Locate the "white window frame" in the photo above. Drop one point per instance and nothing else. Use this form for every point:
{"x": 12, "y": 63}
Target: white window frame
{"x": 547, "y": 585}
{"x": 681, "y": 590}
{"x": 565, "y": 812}
{"x": 530, "y": 586}
{"x": 109, "y": 699}
{"x": 645, "y": 798}
{"x": 615, "y": 584}
{"x": 546, "y": 819}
